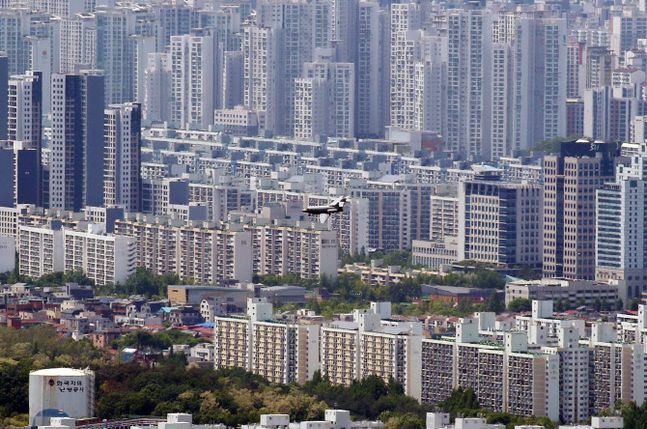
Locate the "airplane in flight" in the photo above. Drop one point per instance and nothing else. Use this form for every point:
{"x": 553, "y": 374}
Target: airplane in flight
{"x": 324, "y": 212}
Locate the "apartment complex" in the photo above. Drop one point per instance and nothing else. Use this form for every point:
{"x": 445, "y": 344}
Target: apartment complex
{"x": 372, "y": 344}
{"x": 45, "y": 249}
{"x": 197, "y": 250}
{"x": 281, "y": 352}
{"x": 505, "y": 378}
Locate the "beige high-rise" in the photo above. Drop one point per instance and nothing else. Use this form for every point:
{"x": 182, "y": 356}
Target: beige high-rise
{"x": 571, "y": 178}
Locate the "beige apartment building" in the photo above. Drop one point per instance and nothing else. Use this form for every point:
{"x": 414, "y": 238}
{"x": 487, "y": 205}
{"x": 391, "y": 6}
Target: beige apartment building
{"x": 280, "y": 352}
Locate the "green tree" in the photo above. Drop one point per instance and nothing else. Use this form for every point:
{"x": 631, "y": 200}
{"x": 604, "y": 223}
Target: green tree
{"x": 520, "y": 304}
{"x": 494, "y": 303}
{"x": 461, "y": 401}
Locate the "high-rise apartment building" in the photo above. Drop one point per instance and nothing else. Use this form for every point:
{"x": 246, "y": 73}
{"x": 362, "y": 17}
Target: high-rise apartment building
{"x": 571, "y": 178}
{"x": 232, "y": 79}
{"x": 324, "y": 100}
{"x": 40, "y": 250}
{"x": 468, "y": 69}
{"x": 77, "y": 43}
{"x": 157, "y": 89}
{"x": 122, "y": 156}
{"x": 406, "y": 47}
{"x": 106, "y": 259}
{"x": 527, "y": 82}
{"x": 505, "y": 378}
{"x": 117, "y": 48}
{"x": 372, "y": 97}
{"x": 24, "y": 128}
{"x": 4, "y": 94}
{"x": 293, "y": 18}
{"x": 372, "y": 344}
{"x": 15, "y": 27}
{"x": 261, "y": 61}
{"x": 281, "y": 352}
{"x": 190, "y": 249}
{"x": 77, "y": 143}
{"x": 194, "y": 72}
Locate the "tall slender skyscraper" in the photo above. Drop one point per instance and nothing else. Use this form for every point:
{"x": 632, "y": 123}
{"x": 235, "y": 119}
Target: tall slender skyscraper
{"x": 77, "y": 144}
{"x": 24, "y": 130}
{"x": 468, "y": 67}
{"x": 261, "y": 85}
{"x": 25, "y": 107}
{"x": 621, "y": 245}
{"x": 372, "y": 97}
{"x": 4, "y": 94}
{"x": 117, "y": 48}
{"x": 405, "y": 52}
{"x": 294, "y": 20}
{"x": 193, "y": 77}
{"x": 571, "y": 179}
{"x": 122, "y": 161}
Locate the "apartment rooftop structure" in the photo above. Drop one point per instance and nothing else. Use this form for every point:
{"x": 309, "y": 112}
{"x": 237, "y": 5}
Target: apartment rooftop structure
{"x": 204, "y": 251}
{"x": 173, "y": 421}
{"x": 606, "y": 422}
{"x": 506, "y": 376}
{"x": 633, "y": 327}
{"x": 372, "y": 344}
{"x": 541, "y": 325}
{"x": 333, "y": 419}
{"x": 279, "y": 351}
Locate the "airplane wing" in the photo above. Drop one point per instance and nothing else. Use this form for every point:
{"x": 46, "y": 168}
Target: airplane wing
{"x": 323, "y": 217}
{"x": 336, "y": 201}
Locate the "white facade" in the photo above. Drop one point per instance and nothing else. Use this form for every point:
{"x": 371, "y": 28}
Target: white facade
{"x": 621, "y": 255}
{"x": 41, "y": 251}
{"x": 105, "y": 259}
{"x": 56, "y": 390}
{"x": 157, "y": 89}
{"x": 7, "y": 253}
{"x": 77, "y": 41}
{"x": 324, "y": 101}
{"x": 193, "y": 80}
{"x": 260, "y": 65}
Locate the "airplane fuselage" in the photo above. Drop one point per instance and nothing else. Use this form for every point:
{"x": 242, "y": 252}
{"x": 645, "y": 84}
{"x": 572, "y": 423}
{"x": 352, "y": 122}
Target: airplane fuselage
{"x": 321, "y": 210}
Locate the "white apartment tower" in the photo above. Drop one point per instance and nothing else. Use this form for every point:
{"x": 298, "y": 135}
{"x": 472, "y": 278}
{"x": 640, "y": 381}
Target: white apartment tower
{"x": 429, "y": 95}
{"x": 77, "y": 43}
{"x": 106, "y": 259}
{"x": 15, "y": 24}
{"x": 193, "y": 80}
{"x": 157, "y": 89}
{"x": 405, "y": 51}
{"x": 371, "y": 75}
{"x": 116, "y": 47}
{"x": 261, "y": 61}
{"x": 24, "y": 110}
{"x": 468, "y": 69}
{"x": 294, "y": 19}
{"x": 325, "y": 100}
{"x": 527, "y": 82}
{"x": 122, "y": 159}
